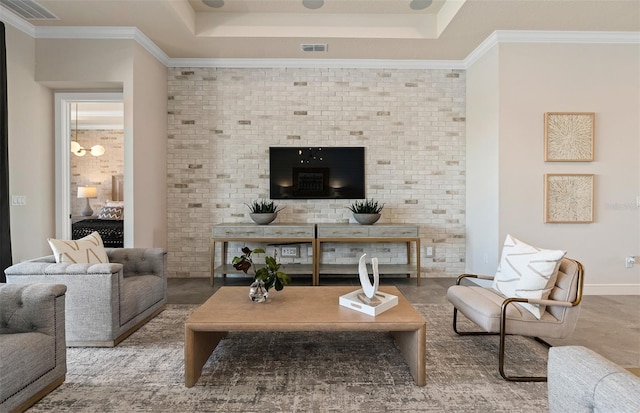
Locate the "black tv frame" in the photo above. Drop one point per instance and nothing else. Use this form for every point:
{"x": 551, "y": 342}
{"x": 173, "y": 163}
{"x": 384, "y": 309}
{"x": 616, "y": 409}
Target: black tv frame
{"x": 327, "y": 172}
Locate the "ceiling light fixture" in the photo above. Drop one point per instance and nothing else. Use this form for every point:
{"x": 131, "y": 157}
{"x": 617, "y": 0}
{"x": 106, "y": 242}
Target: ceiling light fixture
{"x": 78, "y": 150}
{"x": 313, "y": 4}
{"x": 420, "y": 4}
{"x": 216, "y": 4}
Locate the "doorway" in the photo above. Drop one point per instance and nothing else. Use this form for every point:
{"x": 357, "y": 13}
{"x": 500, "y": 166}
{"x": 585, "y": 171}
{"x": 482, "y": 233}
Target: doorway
{"x": 89, "y": 129}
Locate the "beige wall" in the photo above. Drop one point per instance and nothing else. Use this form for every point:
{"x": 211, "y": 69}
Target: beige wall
{"x": 83, "y": 65}
{"x": 537, "y": 78}
{"x": 31, "y": 162}
{"x": 482, "y": 165}
{"x": 147, "y": 185}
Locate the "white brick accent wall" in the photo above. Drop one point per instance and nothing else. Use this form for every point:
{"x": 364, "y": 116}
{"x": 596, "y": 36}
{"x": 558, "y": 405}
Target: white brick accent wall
{"x": 411, "y": 123}
{"x": 96, "y": 171}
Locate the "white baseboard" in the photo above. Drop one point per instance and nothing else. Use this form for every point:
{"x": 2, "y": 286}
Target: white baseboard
{"x": 611, "y": 289}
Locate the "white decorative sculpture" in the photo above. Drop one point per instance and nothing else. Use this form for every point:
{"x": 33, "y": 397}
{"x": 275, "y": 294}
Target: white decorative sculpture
{"x": 369, "y": 290}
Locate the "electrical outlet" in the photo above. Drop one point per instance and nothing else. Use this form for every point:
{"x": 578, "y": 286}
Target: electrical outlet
{"x": 290, "y": 251}
{"x": 629, "y": 261}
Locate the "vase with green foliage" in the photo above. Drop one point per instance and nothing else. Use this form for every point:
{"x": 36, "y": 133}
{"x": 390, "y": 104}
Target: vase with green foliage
{"x": 263, "y": 212}
{"x": 366, "y": 212}
{"x": 265, "y": 277}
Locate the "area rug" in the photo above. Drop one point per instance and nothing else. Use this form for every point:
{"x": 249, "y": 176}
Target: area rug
{"x": 300, "y": 372}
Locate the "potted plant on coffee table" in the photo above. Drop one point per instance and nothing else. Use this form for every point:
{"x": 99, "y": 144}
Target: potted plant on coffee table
{"x": 366, "y": 212}
{"x": 263, "y": 212}
{"x": 265, "y": 278}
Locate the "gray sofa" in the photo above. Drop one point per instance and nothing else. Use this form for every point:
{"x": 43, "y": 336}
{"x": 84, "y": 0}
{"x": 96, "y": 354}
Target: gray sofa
{"x": 33, "y": 355}
{"x": 105, "y": 302}
{"x": 580, "y": 380}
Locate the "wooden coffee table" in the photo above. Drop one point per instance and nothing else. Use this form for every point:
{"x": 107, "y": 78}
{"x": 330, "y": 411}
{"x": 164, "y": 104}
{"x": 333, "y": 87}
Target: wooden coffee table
{"x": 298, "y": 309}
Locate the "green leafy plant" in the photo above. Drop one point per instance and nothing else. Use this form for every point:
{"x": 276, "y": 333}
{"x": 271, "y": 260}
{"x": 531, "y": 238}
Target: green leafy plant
{"x": 270, "y": 274}
{"x": 263, "y": 207}
{"x": 368, "y": 206}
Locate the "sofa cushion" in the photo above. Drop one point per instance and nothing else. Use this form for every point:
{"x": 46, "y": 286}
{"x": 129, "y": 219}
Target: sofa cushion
{"x": 32, "y": 354}
{"x": 526, "y": 271}
{"x": 88, "y": 250}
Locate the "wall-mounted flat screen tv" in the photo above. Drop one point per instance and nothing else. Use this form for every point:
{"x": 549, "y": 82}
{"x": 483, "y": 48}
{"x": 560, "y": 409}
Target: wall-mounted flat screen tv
{"x": 316, "y": 172}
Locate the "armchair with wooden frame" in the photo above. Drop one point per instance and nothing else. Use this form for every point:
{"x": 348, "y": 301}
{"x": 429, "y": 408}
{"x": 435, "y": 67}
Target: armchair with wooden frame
{"x": 496, "y": 314}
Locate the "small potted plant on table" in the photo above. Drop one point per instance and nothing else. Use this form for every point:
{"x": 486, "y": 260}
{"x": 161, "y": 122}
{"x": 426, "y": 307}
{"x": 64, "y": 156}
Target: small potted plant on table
{"x": 263, "y": 212}
{"x": 264, "y": 277}
{"x": 366, "y": 212}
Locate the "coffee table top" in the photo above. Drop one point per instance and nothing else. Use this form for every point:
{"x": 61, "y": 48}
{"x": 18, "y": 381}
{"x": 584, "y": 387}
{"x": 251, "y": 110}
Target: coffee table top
{"x": 298, "y": 309}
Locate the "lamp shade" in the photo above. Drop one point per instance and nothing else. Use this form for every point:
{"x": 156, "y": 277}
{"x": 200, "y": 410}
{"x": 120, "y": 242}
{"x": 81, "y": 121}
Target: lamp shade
{"x": 87, "y": 192}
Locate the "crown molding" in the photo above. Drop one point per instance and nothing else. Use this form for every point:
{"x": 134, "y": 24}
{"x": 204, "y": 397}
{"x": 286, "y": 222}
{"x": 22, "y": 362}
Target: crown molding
{"x": 12, "y": 19}
{"x": 495, "y": 38}
{"x": 549, "y": 37}
{"x": 108, "y": 33}
{"x": 318, "y": 63}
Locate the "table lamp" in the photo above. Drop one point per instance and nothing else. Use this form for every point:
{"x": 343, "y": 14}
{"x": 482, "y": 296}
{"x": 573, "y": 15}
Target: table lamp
{"x": 87, "y": 192}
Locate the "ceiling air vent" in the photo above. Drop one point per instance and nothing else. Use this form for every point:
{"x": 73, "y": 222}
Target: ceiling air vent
{"x": 29, "y": 10}
{"x": 313, "y": 47}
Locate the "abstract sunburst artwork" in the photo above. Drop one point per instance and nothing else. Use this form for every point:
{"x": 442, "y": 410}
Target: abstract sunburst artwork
{"x": 568, "y": 137}
{"x": 568, "y": 198}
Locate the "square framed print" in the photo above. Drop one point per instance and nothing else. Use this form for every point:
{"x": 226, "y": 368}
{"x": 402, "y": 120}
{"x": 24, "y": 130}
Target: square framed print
{"x": 569, "y": 136}
{"x": 568, "y": 198}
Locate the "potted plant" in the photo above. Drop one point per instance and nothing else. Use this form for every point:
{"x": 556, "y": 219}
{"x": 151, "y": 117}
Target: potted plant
{"x": 366, "y": 212}
{"x": 264, "y": 277}
{"x": 263, "y": 212}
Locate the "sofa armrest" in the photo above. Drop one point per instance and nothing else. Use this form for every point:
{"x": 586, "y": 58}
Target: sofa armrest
{"x": 27, "y": 308}
{"x": 580, "y": 380}
{"x": 140, "y": 261}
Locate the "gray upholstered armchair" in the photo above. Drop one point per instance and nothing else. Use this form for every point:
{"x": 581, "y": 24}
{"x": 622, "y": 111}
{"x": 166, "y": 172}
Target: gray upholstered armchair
{"x": 105, "y": 302}
{"x": 496, "y": 314}
{"x": 33, "y": 356}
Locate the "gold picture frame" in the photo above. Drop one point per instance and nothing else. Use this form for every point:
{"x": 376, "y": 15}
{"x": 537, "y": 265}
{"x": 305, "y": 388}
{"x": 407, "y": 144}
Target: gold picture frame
{"x": 569, "y": 136}
{"x": 568, "y": 198}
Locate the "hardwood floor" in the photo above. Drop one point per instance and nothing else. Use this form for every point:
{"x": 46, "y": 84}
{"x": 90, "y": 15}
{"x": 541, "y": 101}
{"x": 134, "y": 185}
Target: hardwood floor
{"x": 609, "y": 325}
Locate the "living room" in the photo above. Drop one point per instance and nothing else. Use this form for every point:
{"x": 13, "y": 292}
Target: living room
{"x": 455, "y": 147}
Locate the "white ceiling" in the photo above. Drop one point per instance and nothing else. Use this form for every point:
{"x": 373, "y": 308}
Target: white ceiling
{"x": 352, "y": 29}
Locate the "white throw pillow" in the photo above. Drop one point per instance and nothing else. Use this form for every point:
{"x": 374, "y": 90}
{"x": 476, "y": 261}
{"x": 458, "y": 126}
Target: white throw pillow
{"x": 527, "y": 272}
{"x": 88, "y": 250}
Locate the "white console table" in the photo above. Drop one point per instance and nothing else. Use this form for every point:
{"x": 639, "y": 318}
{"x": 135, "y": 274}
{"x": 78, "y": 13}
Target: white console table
{"x": 272, "y": 233}
{"x": 316, "y": 234}
{"x": 356, "y": 233}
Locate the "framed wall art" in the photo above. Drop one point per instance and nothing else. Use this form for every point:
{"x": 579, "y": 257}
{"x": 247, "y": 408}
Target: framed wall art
{"x": 568, "y": 198}
{"x": 569, "y": 136}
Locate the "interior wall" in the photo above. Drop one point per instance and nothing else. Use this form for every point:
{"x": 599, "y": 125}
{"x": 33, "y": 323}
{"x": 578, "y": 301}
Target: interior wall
{"x": 411, "y": 123}
{"x": 31, "y": 161}
{"x": 483, "y": 168}
{"x": 37, "y": 68}
{"x": 146, "y": 157}
{"x": 539, "y": 78}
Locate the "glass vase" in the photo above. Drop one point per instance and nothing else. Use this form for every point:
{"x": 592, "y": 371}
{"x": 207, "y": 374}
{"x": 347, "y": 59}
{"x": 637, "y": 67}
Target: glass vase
{"x": 257, "y": 291}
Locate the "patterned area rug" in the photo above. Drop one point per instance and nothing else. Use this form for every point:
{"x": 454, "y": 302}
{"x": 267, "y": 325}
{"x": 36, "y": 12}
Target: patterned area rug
{"x": 300, "y": 372}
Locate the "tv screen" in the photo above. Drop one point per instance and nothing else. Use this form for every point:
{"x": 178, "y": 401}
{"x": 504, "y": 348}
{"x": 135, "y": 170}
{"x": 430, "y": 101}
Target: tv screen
{"x": 316, "y": 172}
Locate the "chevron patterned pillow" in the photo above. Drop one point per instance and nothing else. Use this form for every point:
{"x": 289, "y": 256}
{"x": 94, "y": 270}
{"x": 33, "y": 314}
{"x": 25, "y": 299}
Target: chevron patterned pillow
{"x": 527, "y": 272}
{"x": 88, "y": 250}
{"x": 113, "y": 213}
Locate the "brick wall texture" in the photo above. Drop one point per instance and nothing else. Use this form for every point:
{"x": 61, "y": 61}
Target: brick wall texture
{"x": 411, "y": 123}
{"x": 96, "y": 171}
